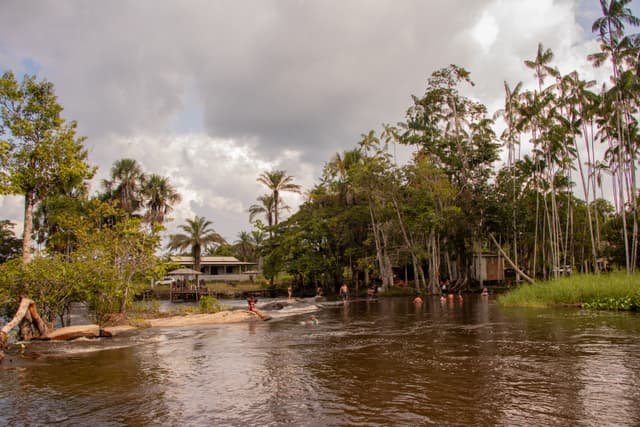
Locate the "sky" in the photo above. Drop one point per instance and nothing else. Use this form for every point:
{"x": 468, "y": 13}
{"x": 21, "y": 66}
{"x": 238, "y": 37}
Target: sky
{"x": 214, "y": 93}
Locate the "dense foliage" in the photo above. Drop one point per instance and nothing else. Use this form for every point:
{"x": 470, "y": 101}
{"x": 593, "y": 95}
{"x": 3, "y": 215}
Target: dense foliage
{"x": 546, "y": 207}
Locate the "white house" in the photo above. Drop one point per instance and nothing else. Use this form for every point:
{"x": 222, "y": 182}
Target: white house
{"x": 220, "y": 268}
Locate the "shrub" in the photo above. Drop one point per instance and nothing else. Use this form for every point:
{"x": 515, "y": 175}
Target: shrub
{"x": 209, "y": 305}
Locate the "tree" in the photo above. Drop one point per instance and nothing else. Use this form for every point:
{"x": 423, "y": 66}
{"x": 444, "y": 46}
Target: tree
{"x": 41, "y": 152}
{"x": 159, "y": 198}
{"x": 199, "y": 237}
{"x": 266, "y": 207}
{"x": 278, "y": 181}
{"x": 244, "y": 246}
{"x": 10, "y": 245}
{"x": 125, "y": 186}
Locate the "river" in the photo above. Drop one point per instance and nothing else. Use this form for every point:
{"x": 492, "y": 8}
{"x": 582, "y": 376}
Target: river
{"x": 388, "y": 362}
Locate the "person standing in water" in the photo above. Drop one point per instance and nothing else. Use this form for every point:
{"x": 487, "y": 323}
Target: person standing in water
{"x": 344, "y": 291}
{"x": 290, "y": 291}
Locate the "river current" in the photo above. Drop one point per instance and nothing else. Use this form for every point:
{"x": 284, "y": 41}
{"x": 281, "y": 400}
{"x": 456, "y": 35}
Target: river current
{"x": 365, "y": 363}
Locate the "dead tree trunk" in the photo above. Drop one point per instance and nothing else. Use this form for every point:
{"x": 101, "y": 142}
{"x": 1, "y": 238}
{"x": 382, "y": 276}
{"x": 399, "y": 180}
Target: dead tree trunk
{"x": 26, "y": 311}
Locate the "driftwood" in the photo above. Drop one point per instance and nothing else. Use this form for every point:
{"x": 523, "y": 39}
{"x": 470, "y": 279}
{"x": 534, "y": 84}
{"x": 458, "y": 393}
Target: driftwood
{"x": 73, "y": 332}
{"x": 27, "y": 315}
{"x": 511, "y": 263}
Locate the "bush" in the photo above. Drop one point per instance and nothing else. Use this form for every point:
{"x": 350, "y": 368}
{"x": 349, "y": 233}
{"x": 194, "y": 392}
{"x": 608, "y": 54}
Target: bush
{"x": 209, "y": 305}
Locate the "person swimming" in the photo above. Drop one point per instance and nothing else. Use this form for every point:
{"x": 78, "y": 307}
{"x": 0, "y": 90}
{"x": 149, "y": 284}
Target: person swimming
{"x": 312, "y": 321}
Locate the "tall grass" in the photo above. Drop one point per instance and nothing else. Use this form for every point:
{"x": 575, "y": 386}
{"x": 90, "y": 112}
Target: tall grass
{"x": 612, "y": 291}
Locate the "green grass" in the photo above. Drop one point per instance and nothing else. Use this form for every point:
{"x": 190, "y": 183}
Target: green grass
{"x": 612, "y": 291}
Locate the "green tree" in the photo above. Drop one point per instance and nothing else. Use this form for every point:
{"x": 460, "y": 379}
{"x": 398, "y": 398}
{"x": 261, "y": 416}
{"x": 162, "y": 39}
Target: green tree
{"x": 199, "y": 236}
{"x": 10, "y": 245}
{"x": 124, "y": 187}
{"x": 42, "y": 151}
{"x": 278, "y": 181}
{"x": 159, "y": 198}
{"x": 266, "y": 206}
{"x": 244, "y": 246}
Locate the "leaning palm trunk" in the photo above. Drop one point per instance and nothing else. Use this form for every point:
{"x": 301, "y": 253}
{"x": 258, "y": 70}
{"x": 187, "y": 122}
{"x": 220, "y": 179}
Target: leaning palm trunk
{"x": 509, "y": 261}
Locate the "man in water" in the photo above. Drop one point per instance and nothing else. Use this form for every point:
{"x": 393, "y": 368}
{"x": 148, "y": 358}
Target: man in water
{"x": 344, "y": 291}
{"x": 417, "y": 300}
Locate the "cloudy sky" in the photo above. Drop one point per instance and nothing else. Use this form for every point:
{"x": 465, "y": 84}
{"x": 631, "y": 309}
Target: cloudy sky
{"x": 212, "y": 93}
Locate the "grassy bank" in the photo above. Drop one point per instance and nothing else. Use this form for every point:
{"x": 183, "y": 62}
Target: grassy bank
{"x": 611, "y": 291}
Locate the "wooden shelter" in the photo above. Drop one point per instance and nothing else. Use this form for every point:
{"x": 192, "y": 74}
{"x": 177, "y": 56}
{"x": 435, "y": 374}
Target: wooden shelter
{"x": 187, "y": 286}
{"x": 488, "y": 267}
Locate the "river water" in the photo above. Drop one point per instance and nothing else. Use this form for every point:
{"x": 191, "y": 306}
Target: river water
{"x": 388, "y": 362}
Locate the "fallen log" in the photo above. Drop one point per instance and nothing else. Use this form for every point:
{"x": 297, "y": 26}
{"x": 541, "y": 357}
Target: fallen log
{"x": 73, "y": 332}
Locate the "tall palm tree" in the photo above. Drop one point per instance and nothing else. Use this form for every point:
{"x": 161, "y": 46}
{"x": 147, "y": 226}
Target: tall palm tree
{"x": 613, "y": 44}
{"x": 278, "y": 181}
{"x": 266, "y": 207}
{"x": 199, "y": 236}
{"x": 124, "y": 185}
{"x": 159, "y": 198}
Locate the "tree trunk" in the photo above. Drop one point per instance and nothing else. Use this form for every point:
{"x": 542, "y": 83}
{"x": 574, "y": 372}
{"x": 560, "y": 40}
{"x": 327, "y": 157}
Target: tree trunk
{"x": 26, "y": 310}
{"x": 29, "y": 203}
{"x": 515, "y": 267}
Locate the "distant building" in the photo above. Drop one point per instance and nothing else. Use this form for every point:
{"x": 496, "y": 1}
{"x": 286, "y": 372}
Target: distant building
{"x": 487, "y": 267}
{"x": 220, "y": 268}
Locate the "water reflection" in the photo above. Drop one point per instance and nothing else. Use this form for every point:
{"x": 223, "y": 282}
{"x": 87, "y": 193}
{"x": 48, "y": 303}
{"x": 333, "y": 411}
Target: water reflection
{"x": 386, "y": 362}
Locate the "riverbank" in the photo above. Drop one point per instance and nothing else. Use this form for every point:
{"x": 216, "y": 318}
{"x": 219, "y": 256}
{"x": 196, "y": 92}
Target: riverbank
{"x": 606, "y": 291}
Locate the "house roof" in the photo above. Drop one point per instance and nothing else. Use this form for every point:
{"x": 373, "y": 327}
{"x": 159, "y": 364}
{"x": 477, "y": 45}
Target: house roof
{"x": 211, "y": 260}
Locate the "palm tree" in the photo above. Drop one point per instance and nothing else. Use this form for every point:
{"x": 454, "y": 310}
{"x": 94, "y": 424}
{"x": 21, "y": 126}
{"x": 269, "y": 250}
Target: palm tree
{"x": 511, "y": 137}
{"x": 338, "y": 171}
{"x": 278, "y": 181}
{"x": 159, "y": 198}
{"x": 199, "y": 236}
{"x": 614, "y": 44}
{"x": 124, "y": 185}
{"x": 244, "y": 246}
{"x": 266, "y": 207}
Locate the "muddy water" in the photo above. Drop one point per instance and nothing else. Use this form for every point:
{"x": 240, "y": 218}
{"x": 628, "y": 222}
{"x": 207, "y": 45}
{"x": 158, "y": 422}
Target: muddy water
{"x": 364, "y": 363}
